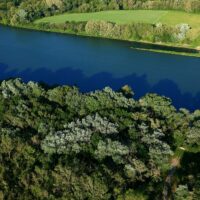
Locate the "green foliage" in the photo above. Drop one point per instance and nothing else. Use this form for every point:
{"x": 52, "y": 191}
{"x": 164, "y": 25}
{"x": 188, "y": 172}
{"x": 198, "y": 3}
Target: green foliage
{"x": 77, "y": 135}
{"x": 193, "y": 137}
{"x": 182, "y": 193}
{"x": 131, "y": 31}
{"x": 58, "y": 143}
{"x": 132, "y": 195}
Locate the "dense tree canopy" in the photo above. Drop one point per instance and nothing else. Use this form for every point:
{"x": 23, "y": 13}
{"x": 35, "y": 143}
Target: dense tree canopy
{"x": 58, "y": 143}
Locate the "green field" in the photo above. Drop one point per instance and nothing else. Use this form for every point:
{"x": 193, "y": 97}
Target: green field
{"x": 129, "y": 16}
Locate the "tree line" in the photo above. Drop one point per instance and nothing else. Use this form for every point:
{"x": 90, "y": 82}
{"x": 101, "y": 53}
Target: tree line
{"x": 136, "y": 31}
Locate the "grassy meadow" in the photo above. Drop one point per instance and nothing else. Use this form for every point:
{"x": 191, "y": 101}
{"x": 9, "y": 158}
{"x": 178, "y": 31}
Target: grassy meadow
{"x": 129, "y": 16}
{"x": 121, "y": 17}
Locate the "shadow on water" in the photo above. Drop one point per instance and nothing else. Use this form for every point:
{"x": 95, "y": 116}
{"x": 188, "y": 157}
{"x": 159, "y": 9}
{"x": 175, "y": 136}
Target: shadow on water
{"x": 139, "y": 83}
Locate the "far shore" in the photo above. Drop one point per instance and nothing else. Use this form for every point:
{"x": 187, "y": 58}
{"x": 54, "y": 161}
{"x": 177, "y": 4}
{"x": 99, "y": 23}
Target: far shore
{"x": 140, "y": 45}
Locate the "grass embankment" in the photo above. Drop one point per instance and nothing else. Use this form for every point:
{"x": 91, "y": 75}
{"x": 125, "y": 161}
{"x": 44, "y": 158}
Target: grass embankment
{"x": 170, "y": 18}
{"x": 169, "y": 52}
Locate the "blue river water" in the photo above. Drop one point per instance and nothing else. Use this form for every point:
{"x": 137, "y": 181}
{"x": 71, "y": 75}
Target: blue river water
{"x": 92, "y": 63}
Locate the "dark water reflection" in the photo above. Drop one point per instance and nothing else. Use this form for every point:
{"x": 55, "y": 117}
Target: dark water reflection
{"x": 95, "y": 63}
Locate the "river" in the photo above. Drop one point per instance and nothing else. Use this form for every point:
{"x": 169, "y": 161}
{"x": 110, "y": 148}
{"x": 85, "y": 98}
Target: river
{"x": 92, "y": 63}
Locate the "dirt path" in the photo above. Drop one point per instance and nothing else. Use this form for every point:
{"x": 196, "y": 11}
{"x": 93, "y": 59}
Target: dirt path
{"x": 167, "y": 190}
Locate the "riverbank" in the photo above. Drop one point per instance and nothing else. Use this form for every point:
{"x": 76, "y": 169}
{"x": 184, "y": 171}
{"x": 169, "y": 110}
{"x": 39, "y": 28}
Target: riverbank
{"x": 140, "y": 45}
{"x": 163, "y": 29}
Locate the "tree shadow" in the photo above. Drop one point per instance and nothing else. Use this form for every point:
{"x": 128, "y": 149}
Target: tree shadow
{"x": 140, "y": 85}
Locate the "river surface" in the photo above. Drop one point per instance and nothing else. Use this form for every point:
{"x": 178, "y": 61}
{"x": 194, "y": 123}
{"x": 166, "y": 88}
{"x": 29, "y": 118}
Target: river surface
{"x": 92, "y": 63}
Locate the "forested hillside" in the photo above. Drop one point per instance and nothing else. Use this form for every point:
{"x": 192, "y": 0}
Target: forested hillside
{"x": 16, "y": 11}
{"x": 58, "y": 143}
